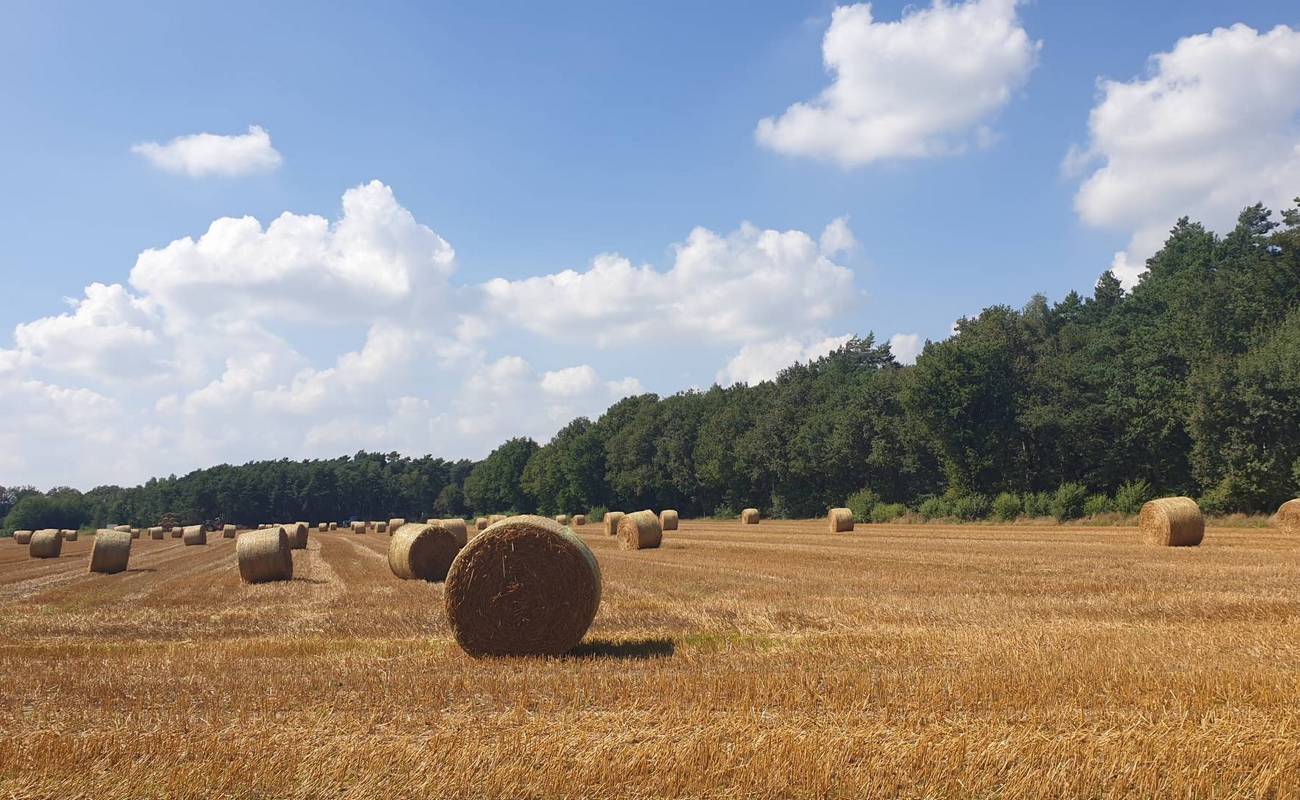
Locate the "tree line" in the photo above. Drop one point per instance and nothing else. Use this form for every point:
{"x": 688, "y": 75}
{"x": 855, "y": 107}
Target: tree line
{"x": 1188, "y": 384}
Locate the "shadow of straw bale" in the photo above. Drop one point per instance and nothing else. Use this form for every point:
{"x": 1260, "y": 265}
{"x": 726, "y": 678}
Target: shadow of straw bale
{"x": 627, "y": 650}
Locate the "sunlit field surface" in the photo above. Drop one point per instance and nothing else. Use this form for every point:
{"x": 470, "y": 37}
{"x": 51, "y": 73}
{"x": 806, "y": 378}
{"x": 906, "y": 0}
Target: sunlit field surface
{"x": 775, "y": 660}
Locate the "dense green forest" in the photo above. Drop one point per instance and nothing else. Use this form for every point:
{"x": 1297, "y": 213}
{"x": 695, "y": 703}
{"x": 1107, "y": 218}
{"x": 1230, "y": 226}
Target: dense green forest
{"x": 1189, "y": 384}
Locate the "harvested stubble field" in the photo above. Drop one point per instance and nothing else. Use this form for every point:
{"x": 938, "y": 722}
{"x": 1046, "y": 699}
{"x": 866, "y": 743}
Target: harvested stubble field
{"x": 775, "y": 660}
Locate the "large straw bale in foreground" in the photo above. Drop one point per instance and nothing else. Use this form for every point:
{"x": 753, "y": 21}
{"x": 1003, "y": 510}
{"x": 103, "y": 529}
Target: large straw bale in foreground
{"x": 610, "y": 521}
{"x": 46, "y": 543}
{"x": 111, "y": 551}
{"x": 639, "y": 531}
{"x": 297, "y": 533}
{"x": 264, "y": 556}
{"x": 525, "y": 586}
{"x": 840, "y": 520}
{"x": 668, "y": 519}
{"x": 156, "y": 532}
{"x": 1172, "y": 522}
{"x": 420, "y": 551}
{"x": 194, "y": 534}
{"x": 1288, "y": 516}
{"x": 749, "y": 516}
{"x": 22, "y": 537}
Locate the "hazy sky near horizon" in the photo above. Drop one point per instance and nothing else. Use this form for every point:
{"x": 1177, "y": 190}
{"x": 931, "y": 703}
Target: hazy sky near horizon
{"x": 303, "y": 229}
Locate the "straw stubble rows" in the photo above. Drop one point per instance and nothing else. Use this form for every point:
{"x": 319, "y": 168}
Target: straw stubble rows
{"x": 776, "y": 660}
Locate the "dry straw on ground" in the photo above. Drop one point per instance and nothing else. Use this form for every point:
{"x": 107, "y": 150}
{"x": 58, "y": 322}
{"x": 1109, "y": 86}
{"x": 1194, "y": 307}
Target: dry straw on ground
{"x": 264, "y": 556}
{"x": 22, "y": 537}
{"x": 640, "y": 531}
{"x": 297, "y": 535}
{"x": 668, "y": 519}
{"x": 156, "y": 532}
{"x": 610, "y": 521}
{"x": 840, "y": 520}
{"x": 46, "y": 543}
{"x": 1288, "y": 516}
{"x": 749, "y": 516}
{"x": 1172, "y": 522}
{"x": 525, "y": 586}
{"x": 194, "y": 534}
{"x": 423, "y": 552}
{"x": 111, "y": 551}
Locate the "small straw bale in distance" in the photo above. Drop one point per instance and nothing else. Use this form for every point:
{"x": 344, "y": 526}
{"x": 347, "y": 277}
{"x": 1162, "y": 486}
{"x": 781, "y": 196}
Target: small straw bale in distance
{"x": 456, "y": 526}
{"x": 423, "y": 551}
{"x": 640, "y": 531}
{"x": 525, "y": 586}
{"x": 228, "y": 531}
{"x": 297, "y": 534}
{"x": 749, "y": 516}
{"x": 111, "y": 551}
{"x": 177, "y": 531}
{"x": 395, "y": 523}
{"x": 1288, "y": 516}
{"x": 136, "y": 533}
{"x": 123, "y": 528}
{"x": 358, "y": 527}
{"x": 194, "y": 534}
{"x": 70, "y": 535}
{"x": 322, "y": 527}
{"x": 495, "y": 518}
{"x": 46, "y": 543}
{"x": 334, "y": 526}
{"x": 156, "y": 532}
{"x": 563, "y": 519}
{"x": 610, "y": 521}
{"x": 480, "y": 523}
{"x": 840, "y": 520}
{"x": 668, "y": 519}
{"x": 264, "y": 556}
{"x": 578, "y": 520}
{"x": 381, "y": 527}
{"x": 22, "y": 537}
{"x": 1172, "y": 522}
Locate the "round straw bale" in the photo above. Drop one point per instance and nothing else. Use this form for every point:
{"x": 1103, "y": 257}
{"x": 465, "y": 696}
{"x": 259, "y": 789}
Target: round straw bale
{"x": 525, "y": 586}
{"x": 334, "y": 526}
{"x": 381, "y": 527}
{"x": 70, "y": 535}
{"x": 749, "y": 516}
{"x": 136, "y": 533}
{"x": 322, "y": 527}
{"x": 668, "y": 519}
{"x": 639, "y": 531}
{"x": 563, "y": 519}
{"x": 578, "y": 520}
{"x": 22, "y": 537}
{"x": 264, "y": 556}
{"x": 46, "y": 543}
{"x": 1288, "y": 516}
{"x": 177, "y": 531}
{"x": 228, "y": 531}
{"x": 421, "y": 551}
{"x": 840, "y": 520}
{"x": 297, "y": 533}
{"x": 358, "y": 527}
{"x": 480, "y": 523}
{"x": 156, "y": 532}
{"x": 1172, "y": 522}
{"x": 194, "y": 534}
{"x": 110, "y": 552}
{"x": 495, "y": 518}
{"x": 395, "y": 523}
{"x": 123, "y": 528}
{"x": 457, "y": 527}
{"x": 610, "y": 521}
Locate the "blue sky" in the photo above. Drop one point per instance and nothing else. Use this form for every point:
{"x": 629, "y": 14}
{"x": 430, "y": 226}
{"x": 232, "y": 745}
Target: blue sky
{"x": 533, "y": 138}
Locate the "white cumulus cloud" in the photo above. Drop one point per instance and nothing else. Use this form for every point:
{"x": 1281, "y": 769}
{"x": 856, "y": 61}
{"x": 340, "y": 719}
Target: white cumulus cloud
{"x": 1210, "y": 129}
{"x": 924, "y": 85}
{"x": 201, "y": 154}
{"x": 762, "y": 361}
{"x": 906, "y": 347}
